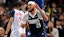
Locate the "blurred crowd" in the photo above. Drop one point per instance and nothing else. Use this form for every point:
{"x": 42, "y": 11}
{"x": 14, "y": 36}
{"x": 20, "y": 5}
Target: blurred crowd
{"x": 54, "y": 9}
{"x": 55, "y": 12}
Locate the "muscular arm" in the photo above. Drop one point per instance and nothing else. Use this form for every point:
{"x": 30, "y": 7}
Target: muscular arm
{"x": 9, "y": 25}
{"x": 25, "y": 25}
{"x": 44, "y": 16}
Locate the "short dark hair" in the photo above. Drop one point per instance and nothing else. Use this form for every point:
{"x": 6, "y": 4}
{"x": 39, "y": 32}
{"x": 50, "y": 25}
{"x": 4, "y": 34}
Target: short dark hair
{"x": 58, "y": 20}
{"x": 23, "y": 0}
{"x": 2, "y": 5}
{"x": 17, "y": 4}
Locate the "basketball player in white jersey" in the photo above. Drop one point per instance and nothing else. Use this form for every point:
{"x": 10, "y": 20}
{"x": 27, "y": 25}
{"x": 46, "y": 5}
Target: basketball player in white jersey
{"x": 14, "y": 22}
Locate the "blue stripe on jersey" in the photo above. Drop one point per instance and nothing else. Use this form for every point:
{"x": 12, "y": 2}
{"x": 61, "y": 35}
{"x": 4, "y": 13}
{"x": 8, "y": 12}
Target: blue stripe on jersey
{"x": 12, "y": 13}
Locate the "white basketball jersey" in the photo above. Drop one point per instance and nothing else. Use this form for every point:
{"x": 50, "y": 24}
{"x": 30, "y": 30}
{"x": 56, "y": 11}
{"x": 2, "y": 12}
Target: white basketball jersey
{"x": 18, "y": 15}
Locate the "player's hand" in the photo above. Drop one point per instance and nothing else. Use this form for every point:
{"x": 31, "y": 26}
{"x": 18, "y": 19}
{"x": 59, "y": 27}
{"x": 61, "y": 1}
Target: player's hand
{"x": 22, "y": 25}
{"x": 5, "y": 35}
{"x": 37, "y": 6}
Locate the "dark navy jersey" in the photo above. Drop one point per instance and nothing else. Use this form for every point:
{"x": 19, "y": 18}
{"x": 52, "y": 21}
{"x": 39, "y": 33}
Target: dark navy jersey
{"x": 34, "y": 21}
{"x": 35, "y": 27}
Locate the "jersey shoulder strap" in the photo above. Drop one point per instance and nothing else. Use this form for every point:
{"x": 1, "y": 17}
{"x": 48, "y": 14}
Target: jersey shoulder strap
{"x": 12, "y": 12}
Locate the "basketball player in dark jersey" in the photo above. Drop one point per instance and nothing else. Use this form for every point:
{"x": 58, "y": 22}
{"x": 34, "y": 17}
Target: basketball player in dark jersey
{"x": 33, "y": 19}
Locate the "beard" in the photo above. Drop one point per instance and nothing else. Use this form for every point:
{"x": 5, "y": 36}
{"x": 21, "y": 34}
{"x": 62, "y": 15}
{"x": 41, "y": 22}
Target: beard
{"x": 31, "y": 10}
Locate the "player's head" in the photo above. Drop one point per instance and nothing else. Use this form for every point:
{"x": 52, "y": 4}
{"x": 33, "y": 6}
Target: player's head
{"x": 31, "y": 5}
{"x": 23, "y": 2}
{"x": 16, "y": 5}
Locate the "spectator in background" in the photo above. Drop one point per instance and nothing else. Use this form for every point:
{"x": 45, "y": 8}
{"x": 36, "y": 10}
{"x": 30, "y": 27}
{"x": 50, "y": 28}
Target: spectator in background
{"x": 9, "y": 3}
{"x": 59, "y": 27}
{"x": 1, "y": 15}
{"x": 60, "y": 11}
{"x": 53, "y": 13}
{"x": 1, "y": 8}
{"x": 1, "y": 21}
{"x": 52, "y": 32}
{"x": 2, "y": 31}
{"x": 6, "y": 11}
{"x": 62, "y": 19}
{"x": 6, "y": 20}
{"x": 4, "y": 17}
{"x": 58, "y": 24}
{"x": 56, "y": 1}
{"x": 62, "y": 23}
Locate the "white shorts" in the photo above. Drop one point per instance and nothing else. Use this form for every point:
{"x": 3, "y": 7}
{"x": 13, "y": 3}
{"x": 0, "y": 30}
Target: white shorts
{"x": 17, "y": 32}
{"x": 22, "y": 30}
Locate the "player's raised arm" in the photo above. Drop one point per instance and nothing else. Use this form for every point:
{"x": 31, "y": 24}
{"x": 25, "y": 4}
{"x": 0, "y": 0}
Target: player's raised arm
{"x": 42, "y": 12}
